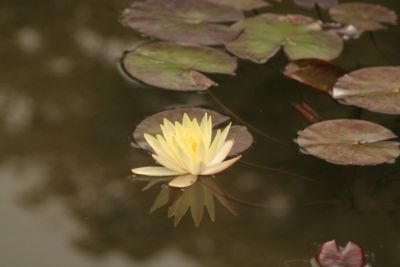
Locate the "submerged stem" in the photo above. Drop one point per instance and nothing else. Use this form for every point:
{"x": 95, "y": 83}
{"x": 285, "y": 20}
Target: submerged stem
{"x": 268, "y": 168}
{"x": 239, "y": 119}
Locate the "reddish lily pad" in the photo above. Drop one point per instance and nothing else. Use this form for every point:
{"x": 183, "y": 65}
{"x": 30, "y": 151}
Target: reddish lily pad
{"x": 363, "y": 16}
{"x": 316, "y": 73}
{"x": 309, "y": 4}
{"x": 245, "y": 5}
{"x": 176, "y": 67}
{"x": 300, "y": 36}
{"x": 151, "y": 125}
{"x": 184, "y": 21}
{"x": 330, "y": 255}
{"x": 376, "y": 89}
{"x": 349, "y": 142}
{"x": 243, "y": 139}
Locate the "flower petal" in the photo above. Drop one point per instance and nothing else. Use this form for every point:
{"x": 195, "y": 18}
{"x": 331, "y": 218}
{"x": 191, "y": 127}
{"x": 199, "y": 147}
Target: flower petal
{"x": 220, "y": 166}
{"x": 168, "y": 163}
{"x": 155, "y": 171}
{"x": 222, "y": 153}
{"x": 183, "y": 181}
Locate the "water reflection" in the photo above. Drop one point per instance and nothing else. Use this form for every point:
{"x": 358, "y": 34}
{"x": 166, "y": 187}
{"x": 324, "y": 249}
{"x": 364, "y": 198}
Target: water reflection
{"x": 66, "y": 196}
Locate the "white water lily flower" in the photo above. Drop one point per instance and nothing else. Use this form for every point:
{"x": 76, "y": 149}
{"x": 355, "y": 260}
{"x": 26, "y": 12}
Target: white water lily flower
{"x": 187, "y": 150}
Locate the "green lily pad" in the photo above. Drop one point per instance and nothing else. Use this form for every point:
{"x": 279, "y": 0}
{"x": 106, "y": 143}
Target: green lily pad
{"x": 151, "y": 125}
{"x": 376, "y": 89}
{"x": 363, "y": 16}
{"x": 316, "y": 73}
{"x": 245, "y": 5}
{"x": 349, "y": 142}
{"x": 300, "y": 36}
{"x": 176, "y": 67}
{"x": 309, "y": 4}
{"x": 184, "y": 21}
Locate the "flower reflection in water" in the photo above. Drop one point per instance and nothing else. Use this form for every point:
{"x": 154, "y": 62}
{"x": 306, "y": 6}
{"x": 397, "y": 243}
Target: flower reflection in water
{"x": 196, "y": 198}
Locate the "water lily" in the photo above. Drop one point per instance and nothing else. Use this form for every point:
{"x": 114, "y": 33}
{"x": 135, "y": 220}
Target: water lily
{"x": 188, "y": 150}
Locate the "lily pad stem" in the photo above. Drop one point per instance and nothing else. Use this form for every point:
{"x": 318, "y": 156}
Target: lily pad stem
{"x": 239, "y": 119}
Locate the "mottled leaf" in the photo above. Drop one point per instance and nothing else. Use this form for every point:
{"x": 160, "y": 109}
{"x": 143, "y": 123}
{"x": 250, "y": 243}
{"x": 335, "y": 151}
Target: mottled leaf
{"x": 349, "y": 142}
{"x": 309, "y": 4}
{"x": 176, "y": 67}
{"x": 363, "y": 16}
{"x": 245, "y": 5}
{"x": 301, "y": 37}
{"x": 319, "y": 74}
{"x": 376, "y": 89}
{"x": 243, "y": 139}
{"x": 184, "y": 21}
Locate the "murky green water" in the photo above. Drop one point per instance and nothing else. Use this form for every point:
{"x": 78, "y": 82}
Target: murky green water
{"x": 66, "y": 197}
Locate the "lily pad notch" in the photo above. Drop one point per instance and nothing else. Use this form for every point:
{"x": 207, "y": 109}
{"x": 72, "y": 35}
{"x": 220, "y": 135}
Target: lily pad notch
{"x": 177, "y": 67}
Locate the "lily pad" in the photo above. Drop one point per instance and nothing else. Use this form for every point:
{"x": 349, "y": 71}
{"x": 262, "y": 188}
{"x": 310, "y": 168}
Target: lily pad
{"x": 376, "y": 89}
{"x": 184, "y": 21}
{"x": 300, "y": 36}
{"x": 245, "y": 5}
{"x": 349, "y": 142}
{"x": 176, "y": 67}
{"x": 309, "y": 4}
{"x": 243, "y": 139}
{"x": 316, "y": 73}
{"x": 363, "y": 16}
{"x": 151, "y": 124}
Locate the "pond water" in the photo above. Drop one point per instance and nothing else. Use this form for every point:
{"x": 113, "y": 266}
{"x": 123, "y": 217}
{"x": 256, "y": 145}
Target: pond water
{"x": 66, "y": 193}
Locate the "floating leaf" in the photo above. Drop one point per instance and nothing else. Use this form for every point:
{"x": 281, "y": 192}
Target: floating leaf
{"x": 301, "y": 37}
{"x": 243, "y": 139}
{"x": 376, "y": 89}
{"x": 245, "y": 5}
{"x": 330, "y": 255}
{"x": 319, "y": 74}
{"x": 349, "y": 142}
{"x": 309, "y": 4}
{"x": 184, "y": 21}
{"x": 365, "y": 17}
{"x": 175, "y": 67}
{"x": 151, "y": 125}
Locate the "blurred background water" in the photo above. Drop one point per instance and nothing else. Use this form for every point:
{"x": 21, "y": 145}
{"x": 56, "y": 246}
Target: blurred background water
{"x": 66, "y": 197}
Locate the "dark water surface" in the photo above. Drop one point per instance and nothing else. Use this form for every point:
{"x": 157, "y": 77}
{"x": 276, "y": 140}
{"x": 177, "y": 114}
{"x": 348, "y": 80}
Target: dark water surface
{"x": 66, "y": 197}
